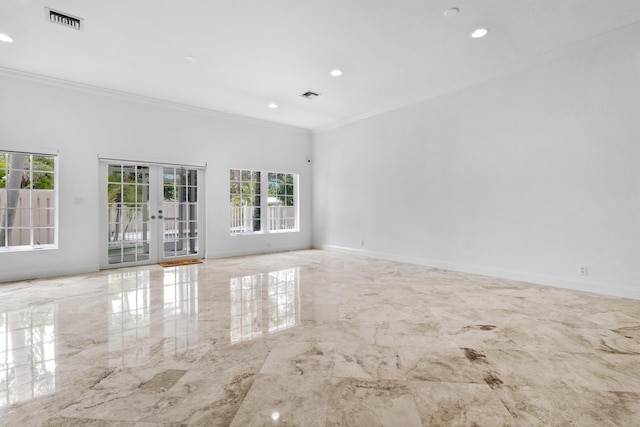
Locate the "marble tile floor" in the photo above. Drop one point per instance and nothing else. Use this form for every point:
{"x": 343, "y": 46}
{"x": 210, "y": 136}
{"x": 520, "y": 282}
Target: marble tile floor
{"x": 313, "y": 338}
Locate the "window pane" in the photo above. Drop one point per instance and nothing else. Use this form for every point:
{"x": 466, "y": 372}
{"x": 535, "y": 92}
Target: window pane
{"x": 25, "y": 180}
{"x": 115, "y": 173}
{"x": 42, "y": 180}
{"x": 143, "y": 193}
{"x": 19, "y": 236}
{"x": 129, "y": 174}
{"x": 273, "y": 186}
{"x": 18, "y": 218}
{"x": 169, "y": 192}
{"x": 192, "y": 178}
{"x": 42, "y": 163}
{"x": 43, "y": 199}
{"x": 192, "y": 194}
{"x": 234, "y": 187}
{"x": 193, "y": 246}
{"x": 181, "y": 177}
{"x": 128, "y": 194}
{"x": 115, "y": 232}
{"x": 43, "y": 217}
{"x": 114, "y": 193}
{"x": 142, "y": 251}
{"x": 168, "y": 175}
{"x": 193, "y": 211}
{"x": 181, "y": 195}
{"x": 143, "y": 175}
{"x": 43, "y": 236}
{"x": 115, "y": 253}
{"x": 181, "y": 228}
{"x": 193, "y": 228}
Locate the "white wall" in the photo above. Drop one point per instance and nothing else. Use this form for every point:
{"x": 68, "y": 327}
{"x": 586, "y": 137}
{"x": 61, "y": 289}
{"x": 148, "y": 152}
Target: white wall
{"x": 80, "y": 124}
{"x": 526, "y": 176}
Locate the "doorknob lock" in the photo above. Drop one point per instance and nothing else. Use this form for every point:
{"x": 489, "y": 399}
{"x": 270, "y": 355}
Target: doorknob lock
{"x": 153, "y": 217}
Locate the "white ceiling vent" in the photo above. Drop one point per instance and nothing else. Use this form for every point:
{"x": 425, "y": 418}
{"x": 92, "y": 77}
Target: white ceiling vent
{"x": 64, "y": 19}
{"x": 310, "y": 95}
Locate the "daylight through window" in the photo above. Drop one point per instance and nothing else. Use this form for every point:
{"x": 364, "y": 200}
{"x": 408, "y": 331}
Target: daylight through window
{"x": 27, "y": 201}
{"x": 263, "y": 201}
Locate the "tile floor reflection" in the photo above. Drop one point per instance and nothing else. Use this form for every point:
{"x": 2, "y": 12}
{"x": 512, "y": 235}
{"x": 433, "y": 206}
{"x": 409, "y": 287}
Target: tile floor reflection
{"x": 313, "y": 338}
{"x": 27, "y": 354}
{"x": 264, "y": 299}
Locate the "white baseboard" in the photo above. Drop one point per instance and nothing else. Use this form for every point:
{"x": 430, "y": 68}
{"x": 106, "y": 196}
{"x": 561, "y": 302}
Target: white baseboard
{"x": 245, "y": 252}
{"x": 64, "y": 270}
{"x": 577, "y": 284}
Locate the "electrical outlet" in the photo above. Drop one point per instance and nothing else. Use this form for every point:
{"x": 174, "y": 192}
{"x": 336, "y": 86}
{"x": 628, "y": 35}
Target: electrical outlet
{"x": 584, "y": 271}
{"x": 362, "y": 243}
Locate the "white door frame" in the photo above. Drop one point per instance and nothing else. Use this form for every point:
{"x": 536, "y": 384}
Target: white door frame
{"x": 155, "y": 215}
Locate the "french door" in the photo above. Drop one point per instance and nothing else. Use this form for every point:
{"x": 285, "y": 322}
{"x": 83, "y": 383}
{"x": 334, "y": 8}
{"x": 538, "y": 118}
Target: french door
{"x": 150, "y": 213}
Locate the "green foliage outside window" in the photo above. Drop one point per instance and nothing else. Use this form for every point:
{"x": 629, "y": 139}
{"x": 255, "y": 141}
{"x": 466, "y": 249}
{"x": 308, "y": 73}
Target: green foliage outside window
{"x": 244, "y": 188}
{"x": 36, "y": 172}
{"x": 281, "y": 186}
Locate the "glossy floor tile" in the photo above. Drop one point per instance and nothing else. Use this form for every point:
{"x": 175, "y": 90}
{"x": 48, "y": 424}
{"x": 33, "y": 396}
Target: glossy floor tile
{"x": 313, "y": 338}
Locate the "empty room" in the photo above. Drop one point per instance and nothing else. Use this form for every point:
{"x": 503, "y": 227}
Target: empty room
{"x": 320, "y": 213}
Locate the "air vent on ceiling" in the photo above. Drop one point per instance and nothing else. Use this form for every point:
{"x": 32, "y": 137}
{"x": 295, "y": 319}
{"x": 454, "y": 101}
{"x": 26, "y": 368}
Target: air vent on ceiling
{"x": 64, "y": 19}
{"x": 310, "y": 95}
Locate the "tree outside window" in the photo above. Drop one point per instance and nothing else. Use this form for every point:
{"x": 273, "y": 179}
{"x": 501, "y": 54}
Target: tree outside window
{"x": 27, "y": 200}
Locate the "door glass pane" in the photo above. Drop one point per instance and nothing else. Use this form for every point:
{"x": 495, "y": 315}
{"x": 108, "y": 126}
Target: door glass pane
{"x": 180, "y": 212}
{"x": 128, "y": 213}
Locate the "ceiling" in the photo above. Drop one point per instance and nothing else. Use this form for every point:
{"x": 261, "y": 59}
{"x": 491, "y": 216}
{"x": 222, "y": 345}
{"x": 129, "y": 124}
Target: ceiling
{"x": 250, "y": 53}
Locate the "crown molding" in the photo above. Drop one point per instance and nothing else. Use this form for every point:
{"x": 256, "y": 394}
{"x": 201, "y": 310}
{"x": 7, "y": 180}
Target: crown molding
{"x": 98, "y": 90}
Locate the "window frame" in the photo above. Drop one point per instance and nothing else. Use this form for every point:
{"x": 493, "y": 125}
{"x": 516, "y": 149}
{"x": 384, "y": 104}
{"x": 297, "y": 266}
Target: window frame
{"x": 32, "y": 227}
{"x": 264, "y": 206}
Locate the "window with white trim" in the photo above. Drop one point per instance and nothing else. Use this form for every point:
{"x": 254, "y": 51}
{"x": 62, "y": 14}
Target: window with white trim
{"x": 262, "y": 201}
{"x": 28, "y": 201}
{"x": 281, "y": 212}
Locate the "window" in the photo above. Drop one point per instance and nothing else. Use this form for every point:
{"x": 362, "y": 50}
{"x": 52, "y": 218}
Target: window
{"x": 245, "y": 201}
{"x": 282, "y": 209}
{"x": 262, "y": 201}
{"x": 27, "y": 201}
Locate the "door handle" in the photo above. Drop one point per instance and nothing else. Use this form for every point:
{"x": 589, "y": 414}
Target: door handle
{"x": 159, "y": 216}
{"x": 153, "y": 217}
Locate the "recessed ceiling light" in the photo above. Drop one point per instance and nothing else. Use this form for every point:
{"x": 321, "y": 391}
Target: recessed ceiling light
{"x": 336, "y": 73}
{"x": 272, "y": 105}
{"x": 5, "y": 38}
{"x": 190, "y": 58}
{"x": 480, "y": 32}
{"x": 450, "y": 13}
